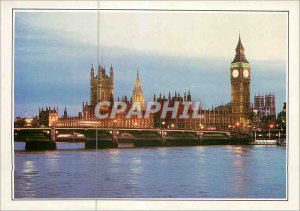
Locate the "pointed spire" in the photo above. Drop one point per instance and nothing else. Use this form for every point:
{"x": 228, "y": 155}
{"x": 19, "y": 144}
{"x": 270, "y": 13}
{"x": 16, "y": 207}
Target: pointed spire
{"x": 189, "y": 96}
{"x": 154, "y": 97}
{"x": 239, "y": 52}
{"x": 239, "y": 45}
{"x": 111, "y": 70}
{"x": 137, "y": 86}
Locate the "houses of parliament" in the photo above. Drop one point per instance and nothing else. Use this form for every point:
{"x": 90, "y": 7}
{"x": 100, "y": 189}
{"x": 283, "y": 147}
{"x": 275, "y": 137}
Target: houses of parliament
{"x": 222, "y": 117}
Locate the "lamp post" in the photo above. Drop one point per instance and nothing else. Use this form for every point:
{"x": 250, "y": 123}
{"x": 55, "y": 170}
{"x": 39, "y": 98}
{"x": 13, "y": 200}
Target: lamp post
{"x": 271, "y": 127}
{"x": 283, "y": 130}
{"x": 163, "y": 124}
{"x": 238, "y": 126}
{"x": 201, "y": 127}
{"x": 115, "y": 132}
{"x": 115, "y": 123}
{"x": 279, "y": 130}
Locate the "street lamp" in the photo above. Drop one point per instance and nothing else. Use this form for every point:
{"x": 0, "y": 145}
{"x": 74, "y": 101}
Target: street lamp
{"x": 229, "y": 127}
{"x": 201, "y": 126}
{"x": 135, "y": 124}
{"x": 237, "y": 126}
{"x": 163, "y": 124}
{"x": 172, "y": 125}
{"x": 115, "y": 123}
{"x": 271, "y": 127}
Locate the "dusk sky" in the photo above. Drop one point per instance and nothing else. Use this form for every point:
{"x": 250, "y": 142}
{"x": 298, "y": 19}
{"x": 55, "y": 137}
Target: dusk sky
{"x": 176, "y": 51}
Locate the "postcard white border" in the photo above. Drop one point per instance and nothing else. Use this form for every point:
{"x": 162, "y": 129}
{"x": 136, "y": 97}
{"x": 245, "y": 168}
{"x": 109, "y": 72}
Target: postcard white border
{"x": 6, "y": 108}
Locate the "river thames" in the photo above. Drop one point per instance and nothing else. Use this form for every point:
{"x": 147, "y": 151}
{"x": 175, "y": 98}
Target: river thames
{"x": 206, "y": 172}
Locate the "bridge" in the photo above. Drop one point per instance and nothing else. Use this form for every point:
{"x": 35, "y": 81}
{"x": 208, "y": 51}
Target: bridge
{"x": 46, "y": 138}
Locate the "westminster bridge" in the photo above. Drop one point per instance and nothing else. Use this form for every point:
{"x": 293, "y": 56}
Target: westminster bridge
{"x": 96, "y": 138}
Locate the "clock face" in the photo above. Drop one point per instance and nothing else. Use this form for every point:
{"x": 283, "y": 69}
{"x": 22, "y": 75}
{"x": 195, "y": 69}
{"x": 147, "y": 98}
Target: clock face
{"x": 246, "y": 73}
{"x": 235, "y": 73}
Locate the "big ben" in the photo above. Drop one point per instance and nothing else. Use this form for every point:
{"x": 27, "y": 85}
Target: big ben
{"x": 240, "y": 87}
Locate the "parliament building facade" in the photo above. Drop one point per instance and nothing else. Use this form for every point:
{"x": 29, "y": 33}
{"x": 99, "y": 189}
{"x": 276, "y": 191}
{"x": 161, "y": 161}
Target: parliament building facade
{"x": 228, "y": 116}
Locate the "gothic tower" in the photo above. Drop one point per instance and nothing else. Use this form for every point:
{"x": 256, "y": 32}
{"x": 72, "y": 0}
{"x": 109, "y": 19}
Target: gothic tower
{"x": 240, "y": 87}
{"x": 137, "y": 95}
{"x": 101, "y": 85}
{"x": 93, "y": 90}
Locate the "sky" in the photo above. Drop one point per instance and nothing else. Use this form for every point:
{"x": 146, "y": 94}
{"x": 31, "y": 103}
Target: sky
{"x": 176, "y": 51}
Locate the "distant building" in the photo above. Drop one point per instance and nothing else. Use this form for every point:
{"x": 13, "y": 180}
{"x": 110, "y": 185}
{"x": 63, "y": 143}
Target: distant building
{"x": 48, "y": 116}
{"x": 168, "y": 121}
{"x": 104, "y": 92}
{"x": 264, "y": 105}
{"x": 137, "y": 94}
{"x": 24, "y": 122}
{"x": 216, "y": 118}
{"x": 101, "y": 85}
{"x": 270, "y": 109}
{"x": 240, "y": 87}
{"x": 235, "y": 114}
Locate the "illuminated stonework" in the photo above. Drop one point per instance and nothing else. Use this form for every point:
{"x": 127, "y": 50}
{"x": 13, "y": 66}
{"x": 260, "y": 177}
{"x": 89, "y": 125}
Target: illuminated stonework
{"x": 240, "y": 87}
{"x": 137, "y": 94}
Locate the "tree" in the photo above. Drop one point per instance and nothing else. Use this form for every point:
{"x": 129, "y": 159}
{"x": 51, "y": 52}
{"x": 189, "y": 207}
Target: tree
{"x": 20, "y": 122}
{"x": 281, "y": 118}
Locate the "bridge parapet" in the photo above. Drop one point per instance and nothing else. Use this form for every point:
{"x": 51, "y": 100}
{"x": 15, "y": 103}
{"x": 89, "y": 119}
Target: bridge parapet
{"x": 36, "y": 139}
{"x": 111, "y": 137}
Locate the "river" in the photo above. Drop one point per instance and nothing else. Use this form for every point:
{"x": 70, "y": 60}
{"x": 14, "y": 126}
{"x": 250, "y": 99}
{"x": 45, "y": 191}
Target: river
{"x": 206, "y": 172}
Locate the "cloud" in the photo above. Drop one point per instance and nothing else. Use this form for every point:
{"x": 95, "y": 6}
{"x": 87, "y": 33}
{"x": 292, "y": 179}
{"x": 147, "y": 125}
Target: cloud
{"x": 195, "y": 34}
{"x": 54, "y": 53}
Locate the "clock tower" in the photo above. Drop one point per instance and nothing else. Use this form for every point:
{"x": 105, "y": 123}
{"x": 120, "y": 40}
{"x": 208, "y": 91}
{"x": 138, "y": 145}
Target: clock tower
{"x": 240, "y": 87}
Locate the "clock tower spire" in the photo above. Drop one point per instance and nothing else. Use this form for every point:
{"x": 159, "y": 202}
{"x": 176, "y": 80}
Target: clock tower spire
{"x": 240, "y": 87}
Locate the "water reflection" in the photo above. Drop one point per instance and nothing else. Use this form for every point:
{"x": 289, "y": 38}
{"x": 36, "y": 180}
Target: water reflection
{"x": 51, "y": 160}
{"x": 28, "y": 174}
{"x": 135, "y": 165}
{"x": 113, "y": 155}
{"x": 28, "y": 167}
{"x": 239, "y": 181}
{"x": 181, "y": 172}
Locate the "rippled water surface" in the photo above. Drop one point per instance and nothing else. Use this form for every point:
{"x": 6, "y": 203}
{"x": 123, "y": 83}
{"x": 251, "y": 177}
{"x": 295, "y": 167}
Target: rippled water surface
{"x": 164, "y": 172}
